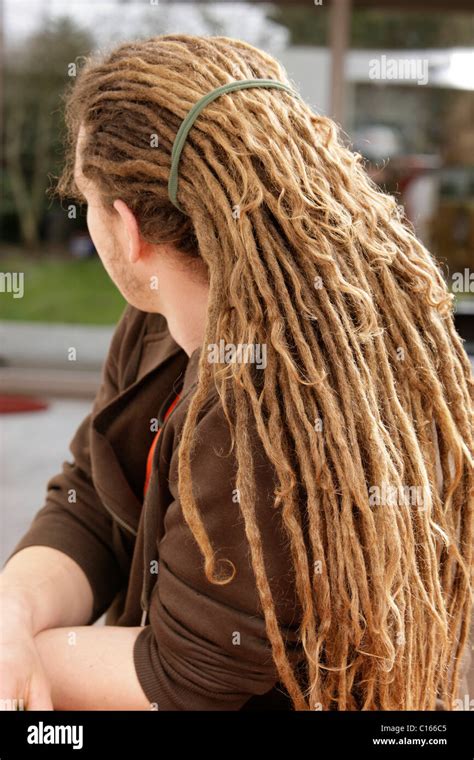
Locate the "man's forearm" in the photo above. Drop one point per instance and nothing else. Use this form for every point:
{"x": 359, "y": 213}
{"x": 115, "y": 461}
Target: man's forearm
{"x": 92, "y": 668}
{"x": 45, "y": 588}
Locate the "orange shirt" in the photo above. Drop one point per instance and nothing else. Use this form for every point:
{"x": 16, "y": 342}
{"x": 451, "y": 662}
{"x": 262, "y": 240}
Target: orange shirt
{"x": 153, "y": 445}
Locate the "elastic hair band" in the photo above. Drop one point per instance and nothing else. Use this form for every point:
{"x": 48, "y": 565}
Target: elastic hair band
{"x": 189, "y": 120}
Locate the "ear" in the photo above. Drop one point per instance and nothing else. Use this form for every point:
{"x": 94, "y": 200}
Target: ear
{"x": 130, "y": 224}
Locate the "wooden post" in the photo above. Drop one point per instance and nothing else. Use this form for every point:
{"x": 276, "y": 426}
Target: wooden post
{"x": 339, "y": 33}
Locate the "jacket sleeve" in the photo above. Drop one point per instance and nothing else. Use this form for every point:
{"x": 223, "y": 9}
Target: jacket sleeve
{"x": 73, "y": 519}
{"x": 206, "y": 647}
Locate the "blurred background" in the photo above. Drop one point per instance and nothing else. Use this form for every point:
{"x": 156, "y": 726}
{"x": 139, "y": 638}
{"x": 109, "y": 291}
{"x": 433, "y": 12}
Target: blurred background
{"x": 397, "y": 75}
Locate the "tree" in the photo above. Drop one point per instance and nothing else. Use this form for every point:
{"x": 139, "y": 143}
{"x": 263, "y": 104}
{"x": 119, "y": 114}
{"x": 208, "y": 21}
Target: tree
{"x": 35, "y": 78}
{"x": 309, "y": 25}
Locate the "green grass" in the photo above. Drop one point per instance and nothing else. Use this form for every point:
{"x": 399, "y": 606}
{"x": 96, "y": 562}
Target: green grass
{"x": 65, "y": 290}
{"x": 57, "y": 290}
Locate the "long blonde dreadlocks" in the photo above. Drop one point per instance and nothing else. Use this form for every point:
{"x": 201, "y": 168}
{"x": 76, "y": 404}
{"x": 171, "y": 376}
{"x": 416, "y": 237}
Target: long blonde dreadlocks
{"x": 367, "y": 385}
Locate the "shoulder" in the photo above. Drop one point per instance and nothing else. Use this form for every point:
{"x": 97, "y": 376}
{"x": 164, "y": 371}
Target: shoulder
{"x": 214, "y": 469}
{"x": 135, "y": 324}
{"x": 140, "y": 341}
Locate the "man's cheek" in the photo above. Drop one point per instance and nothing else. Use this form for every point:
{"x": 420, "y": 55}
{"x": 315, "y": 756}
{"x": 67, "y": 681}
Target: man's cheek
{"x": 96, "y": 230}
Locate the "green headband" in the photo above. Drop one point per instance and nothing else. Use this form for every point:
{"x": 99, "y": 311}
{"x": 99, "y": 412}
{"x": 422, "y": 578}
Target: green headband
{"x": 188, "y": 122}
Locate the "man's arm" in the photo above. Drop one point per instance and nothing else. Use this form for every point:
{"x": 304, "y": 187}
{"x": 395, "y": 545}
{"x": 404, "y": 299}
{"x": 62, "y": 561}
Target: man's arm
{"x": 40, "y": 587}
{"x": 92, "y": 668}
{"x": 47, "y": 586}
{"x": 206, "y": 646}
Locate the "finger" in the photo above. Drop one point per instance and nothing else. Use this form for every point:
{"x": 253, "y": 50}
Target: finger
{"x": 40, "y": 696}
{"x": 10, "y": 703}
{"x": 11, "y": 691}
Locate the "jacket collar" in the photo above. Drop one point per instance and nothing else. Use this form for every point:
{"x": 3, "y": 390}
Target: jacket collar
{"x": 191, "y": 373}
{"x": 109, "y": 479}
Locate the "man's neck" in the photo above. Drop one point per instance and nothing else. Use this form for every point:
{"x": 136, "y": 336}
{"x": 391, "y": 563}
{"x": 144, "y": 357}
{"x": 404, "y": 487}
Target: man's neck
{"x": 186, "y": 315}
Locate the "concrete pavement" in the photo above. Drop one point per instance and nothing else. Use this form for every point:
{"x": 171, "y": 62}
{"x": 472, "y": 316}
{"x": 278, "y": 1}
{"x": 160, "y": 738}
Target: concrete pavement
{"x": 52, "y": 359}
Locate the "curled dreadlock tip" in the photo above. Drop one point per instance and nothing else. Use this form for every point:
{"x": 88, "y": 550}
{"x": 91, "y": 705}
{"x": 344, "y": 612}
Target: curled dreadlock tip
{"x": 216, "y": 578}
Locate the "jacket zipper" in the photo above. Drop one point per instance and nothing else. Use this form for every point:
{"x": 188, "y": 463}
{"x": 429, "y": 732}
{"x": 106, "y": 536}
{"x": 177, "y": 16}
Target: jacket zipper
{"x": 120, "y": 521}
{"x": 165, "y": 405}
{"x": 161, "y": 425}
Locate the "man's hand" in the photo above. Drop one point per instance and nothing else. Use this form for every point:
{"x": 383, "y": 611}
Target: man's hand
{"x": 23, "y": 681}
{"x": 40, "y": 588}
{"x": 49, "y": 657}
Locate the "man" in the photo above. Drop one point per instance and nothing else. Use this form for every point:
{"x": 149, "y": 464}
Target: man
{"x": 279, "y": 241}
{"x": 50, "y": 594}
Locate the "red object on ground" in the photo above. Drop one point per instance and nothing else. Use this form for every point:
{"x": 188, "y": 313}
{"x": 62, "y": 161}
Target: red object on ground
{"x": 10, "y": 404}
